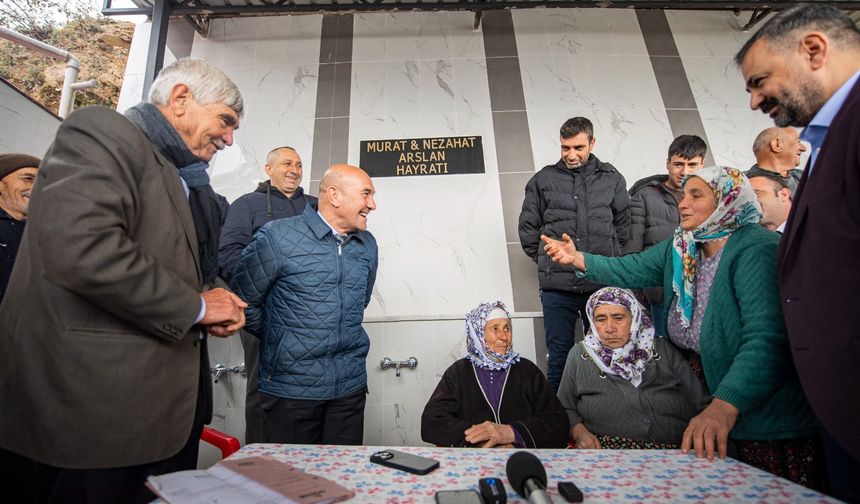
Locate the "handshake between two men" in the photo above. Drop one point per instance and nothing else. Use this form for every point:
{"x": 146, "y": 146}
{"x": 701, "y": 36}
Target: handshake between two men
{"x": 225, "y": 312}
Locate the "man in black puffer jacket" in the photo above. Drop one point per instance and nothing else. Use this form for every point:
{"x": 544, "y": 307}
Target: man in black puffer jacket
{"x": 654, "y": 208}
{"x": 587, "y": 199}
{"x": 279, "y": 197}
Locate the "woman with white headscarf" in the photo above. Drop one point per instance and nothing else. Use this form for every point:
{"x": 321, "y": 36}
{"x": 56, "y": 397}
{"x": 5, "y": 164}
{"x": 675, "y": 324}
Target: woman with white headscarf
{"x": 722, "y": 306}
{"x": 493, "y": 397}
{"x": 623, "y": 388}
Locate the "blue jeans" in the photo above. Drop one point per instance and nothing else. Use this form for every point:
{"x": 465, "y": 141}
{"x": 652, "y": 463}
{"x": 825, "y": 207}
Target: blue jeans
{"x": 560, "y": 312}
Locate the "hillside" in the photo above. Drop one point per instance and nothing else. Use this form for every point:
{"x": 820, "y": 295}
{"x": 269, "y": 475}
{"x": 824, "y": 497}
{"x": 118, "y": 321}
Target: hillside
{"x": 101, "y": 45}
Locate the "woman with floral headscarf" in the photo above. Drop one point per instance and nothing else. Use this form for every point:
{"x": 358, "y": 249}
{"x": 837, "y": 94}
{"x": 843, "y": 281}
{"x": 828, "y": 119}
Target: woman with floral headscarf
{"x": 621, "y": 387}
{"x": 721, "y": 302}
{"x": 493, "y": 397}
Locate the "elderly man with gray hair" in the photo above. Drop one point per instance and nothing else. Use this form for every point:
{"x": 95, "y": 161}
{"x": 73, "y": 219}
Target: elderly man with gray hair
{"x": 103, "y": 365}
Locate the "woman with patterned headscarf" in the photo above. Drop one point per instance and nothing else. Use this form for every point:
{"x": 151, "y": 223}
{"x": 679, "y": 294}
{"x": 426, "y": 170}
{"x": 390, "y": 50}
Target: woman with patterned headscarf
{"x": 493, "y": 397}
{"x": 721, "y": 302}
{"x": 621, "y": 387}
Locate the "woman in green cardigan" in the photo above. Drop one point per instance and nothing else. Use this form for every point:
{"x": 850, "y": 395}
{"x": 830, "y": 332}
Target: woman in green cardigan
{"x": 721, "y": 306}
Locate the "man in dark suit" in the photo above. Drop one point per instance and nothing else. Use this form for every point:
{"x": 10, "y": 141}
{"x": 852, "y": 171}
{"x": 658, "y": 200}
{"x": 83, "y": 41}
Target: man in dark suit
{"x": 803, "y": 69}
{"x": 103, "y": 369}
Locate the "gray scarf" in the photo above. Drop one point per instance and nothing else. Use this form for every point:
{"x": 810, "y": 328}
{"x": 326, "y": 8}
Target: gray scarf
{"x": 205, "y": 207}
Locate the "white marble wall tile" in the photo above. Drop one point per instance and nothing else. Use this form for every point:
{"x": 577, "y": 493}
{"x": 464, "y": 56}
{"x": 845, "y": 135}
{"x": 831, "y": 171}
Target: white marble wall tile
{"x": 531, "y": 33}
{"x": 299, "y": 89}
{"x": 593, "y": 31}
{"x": 403, "y": 340}
{"x": 402, "y": 424}
{"x": 368, "y": 37}
{"x": 374, "y": 424}
{"x": 523, "y": 331}
{"x": 436, "y": 86}
{"x": 277, "y": 93}
{"x": 288, "y": 40}
{"x": 564, "y": 31}
{"x": 449, "y": 343}
{"x": 434, "y": 36}
{"x": 470, "y": 83}
{"x": 465, "y": 275}
{"x": 263, "y": 94}
{"x": 466, "y": 41}
{"x": 368, "y": 96}
{"x": 716, "y": 83}
{"x": 400, "y": 283}
{"x": 553, "y": 81}
{"x": 401, "y": 36}
{"x": 708, "y": 33}
{"x": 624, "y": 82}
{"x": 431, "y": 280}
{"x": 402, "y": 87}
{"x": 436, "y": 211}
{"x": 231, "y": 42}
{"x": 731, "y": 133}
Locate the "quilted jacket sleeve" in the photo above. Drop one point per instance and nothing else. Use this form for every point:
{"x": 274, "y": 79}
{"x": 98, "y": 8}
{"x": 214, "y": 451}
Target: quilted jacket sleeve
{"x": 254, "y": 276}
{"x": 235, "y": 236}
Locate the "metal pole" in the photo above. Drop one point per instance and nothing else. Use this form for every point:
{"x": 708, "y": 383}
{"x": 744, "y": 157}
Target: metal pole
{"x": 73, "y": 66}
{"x": 157, "y": 40}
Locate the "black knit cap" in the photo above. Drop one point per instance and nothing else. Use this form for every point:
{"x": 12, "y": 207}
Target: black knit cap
{"x": 13, "y": 162}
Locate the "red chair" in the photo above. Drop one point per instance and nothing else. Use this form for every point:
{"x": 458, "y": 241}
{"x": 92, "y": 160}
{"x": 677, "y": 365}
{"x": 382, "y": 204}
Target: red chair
{"x": 224, "y": 442}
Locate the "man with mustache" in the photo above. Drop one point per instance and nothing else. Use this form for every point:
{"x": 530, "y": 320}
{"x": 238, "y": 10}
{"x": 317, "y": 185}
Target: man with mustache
{"x": 104, "y": 374}
{"x": 803, "y": 69}
{"x": 279, "y": 197}
{"x": 307, "y": 280}
{"x": 17, "y": 174}
{"x": 778, "y": 151}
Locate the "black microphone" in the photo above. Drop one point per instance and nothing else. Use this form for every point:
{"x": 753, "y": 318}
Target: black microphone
{"x": 528, "y": 477}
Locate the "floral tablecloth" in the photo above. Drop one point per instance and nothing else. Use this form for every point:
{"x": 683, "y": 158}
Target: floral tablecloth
{"x": 611, "y": 476}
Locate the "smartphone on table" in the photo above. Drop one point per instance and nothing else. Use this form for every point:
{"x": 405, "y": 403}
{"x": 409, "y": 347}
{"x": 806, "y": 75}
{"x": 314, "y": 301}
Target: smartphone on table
{"x": 458, "y": 497}
{"x": 414, "y": 464}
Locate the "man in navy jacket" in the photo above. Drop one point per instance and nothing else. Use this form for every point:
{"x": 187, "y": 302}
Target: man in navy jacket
{"x": 307, "y": 280}
{"x": 279, "y": 197}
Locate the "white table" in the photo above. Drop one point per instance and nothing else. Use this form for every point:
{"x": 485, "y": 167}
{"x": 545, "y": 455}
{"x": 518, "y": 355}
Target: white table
{"x": 610, "y": 476}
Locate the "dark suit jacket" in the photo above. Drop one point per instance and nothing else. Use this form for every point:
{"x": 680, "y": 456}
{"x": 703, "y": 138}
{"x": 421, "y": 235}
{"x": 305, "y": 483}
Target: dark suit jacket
{"x": 98, "y": 366}
{"x": 820, "y": 277}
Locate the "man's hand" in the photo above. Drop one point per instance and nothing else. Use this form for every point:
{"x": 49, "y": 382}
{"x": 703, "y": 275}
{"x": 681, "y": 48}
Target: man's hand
{"x": 225, "y": 312}
{"x": 584, "y": 438}
{"x": 563, "y": 251}
{"x": 494, "y": 434}
{"x": 710, "y": 429}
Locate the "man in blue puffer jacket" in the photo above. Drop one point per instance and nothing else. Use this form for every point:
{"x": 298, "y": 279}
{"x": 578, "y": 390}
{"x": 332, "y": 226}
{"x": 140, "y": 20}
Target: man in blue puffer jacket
{"x": 307, "y": 280}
